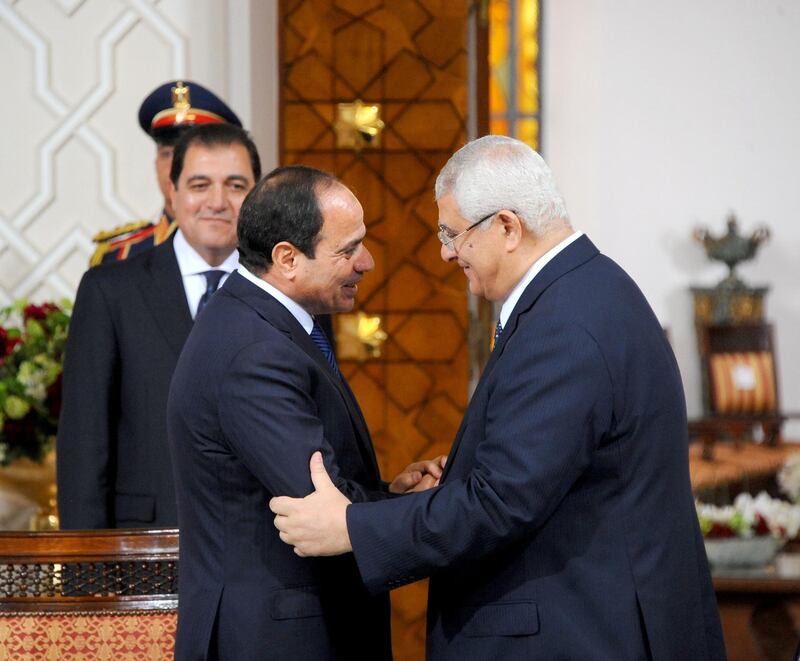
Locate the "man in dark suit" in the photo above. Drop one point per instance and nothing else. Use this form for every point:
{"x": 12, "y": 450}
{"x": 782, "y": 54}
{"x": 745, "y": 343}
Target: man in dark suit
{"x": 128, "y": 326}
{"x": 255, "y": 391}
{"x": 564, "y": 525}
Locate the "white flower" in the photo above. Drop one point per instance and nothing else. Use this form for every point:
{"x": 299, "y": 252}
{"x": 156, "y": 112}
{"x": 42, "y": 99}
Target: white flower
{"x": 34, "y": 379}
{"x": 744, "y": 516}
{"x": 782, "y": 518}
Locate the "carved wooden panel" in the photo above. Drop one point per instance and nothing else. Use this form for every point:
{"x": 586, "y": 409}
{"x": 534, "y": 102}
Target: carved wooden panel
{"x": 410, "y": 56}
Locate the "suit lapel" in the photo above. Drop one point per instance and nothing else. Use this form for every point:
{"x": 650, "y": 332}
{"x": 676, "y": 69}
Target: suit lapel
{"x": 574, "y": 255}
{"x": 274, "y": 311}
{"x": 161, "y": 286}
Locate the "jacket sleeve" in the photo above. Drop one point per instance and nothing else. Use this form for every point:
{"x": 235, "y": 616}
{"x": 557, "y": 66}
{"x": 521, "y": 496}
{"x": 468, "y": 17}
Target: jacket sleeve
{"x": 86, "y": 425}
{"x": 547, "y": 404}
{"x": 273, "y": 424}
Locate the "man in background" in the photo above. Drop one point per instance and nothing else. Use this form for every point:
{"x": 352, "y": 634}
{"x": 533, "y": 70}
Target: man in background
{"x": 256, "y": 390}
{"x": 564, "y": 524}
{"x": 165, "y": 114}
{"x": 128, "y": 326}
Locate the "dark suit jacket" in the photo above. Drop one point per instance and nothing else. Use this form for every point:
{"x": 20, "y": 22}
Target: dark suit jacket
{"x": 252, "y": 397}
{"x": 128, "y": 327}
{"x": 564, "y": 527}
{"x": 129, "y": 323}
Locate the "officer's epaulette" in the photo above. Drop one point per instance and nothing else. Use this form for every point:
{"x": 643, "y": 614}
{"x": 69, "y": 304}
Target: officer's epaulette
{"x": 118, "y": 232}
{"x": 114, "y": 245}
{"x": 131, "y": 239}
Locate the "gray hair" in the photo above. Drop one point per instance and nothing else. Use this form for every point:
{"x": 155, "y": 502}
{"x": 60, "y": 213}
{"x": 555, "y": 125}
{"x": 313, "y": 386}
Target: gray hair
{"x": 496, "y": 172}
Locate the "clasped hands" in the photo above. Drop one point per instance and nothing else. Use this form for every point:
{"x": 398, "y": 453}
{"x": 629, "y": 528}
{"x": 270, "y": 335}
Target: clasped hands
{"x": 317, "y": 524}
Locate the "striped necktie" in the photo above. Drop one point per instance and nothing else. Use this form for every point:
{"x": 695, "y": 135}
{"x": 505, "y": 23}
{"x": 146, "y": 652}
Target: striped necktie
{"x": 321, "y": 340}
{"x": 212, "y": 283}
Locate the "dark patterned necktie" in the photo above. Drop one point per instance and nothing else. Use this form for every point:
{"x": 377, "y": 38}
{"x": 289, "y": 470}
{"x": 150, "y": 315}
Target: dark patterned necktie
{"x": 321, "y": 340}
{"x": 212, "y": 283}
{"x": 498, "y": 331}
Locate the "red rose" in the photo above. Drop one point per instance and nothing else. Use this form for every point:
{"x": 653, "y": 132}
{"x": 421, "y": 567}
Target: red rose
{"x": 761, "y": 528}
{"x": 720, "y": 531}
{"x": 39, "y": 312}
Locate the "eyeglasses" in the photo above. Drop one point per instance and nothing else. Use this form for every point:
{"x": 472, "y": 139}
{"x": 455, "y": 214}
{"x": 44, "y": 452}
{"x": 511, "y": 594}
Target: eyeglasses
{"x": 448, "y": 240}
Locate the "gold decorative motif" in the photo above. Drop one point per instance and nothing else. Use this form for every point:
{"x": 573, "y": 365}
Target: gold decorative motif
{"x": 703, "y": 308}
{"x": 30, "y": 489}
{"x": 104, "y": 235}
{"x": 88, "y": 635}
{"x": 359, "y": 336}
{"x": 358, "y": 125}
{"x": 181, "y": 100}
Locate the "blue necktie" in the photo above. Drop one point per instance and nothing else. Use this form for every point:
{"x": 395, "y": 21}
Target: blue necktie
{"x": 212, "y": 282}
{"x": 321, "y": 340}
{"x": 498, "y": 331}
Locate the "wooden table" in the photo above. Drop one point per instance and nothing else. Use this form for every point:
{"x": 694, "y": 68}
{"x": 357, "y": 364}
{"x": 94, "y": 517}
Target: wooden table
{"x": 735, "y": 468}
{"x": 760, "y": 609}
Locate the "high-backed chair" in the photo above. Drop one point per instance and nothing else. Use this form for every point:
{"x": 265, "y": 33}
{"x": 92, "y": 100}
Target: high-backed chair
{"x": 104, "y": 594}
{"x": 740, "y": 383}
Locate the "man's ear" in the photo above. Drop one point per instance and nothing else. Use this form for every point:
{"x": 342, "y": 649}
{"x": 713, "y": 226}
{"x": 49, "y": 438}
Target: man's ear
{"x": 512, "y": 227}
{"x": 171, "y": 190}
{"x": 284, "y": 259}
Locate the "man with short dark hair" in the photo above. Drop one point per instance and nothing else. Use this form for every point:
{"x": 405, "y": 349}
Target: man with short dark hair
{"x": 128, "y": 326}
{"x": 165, "y": 115}
{"x": 255, "y": 391}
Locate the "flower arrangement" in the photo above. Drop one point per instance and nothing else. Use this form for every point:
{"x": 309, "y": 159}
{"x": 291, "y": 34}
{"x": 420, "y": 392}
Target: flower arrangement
{"x": 32, "y": 339}
{"x": 750, "y": 517}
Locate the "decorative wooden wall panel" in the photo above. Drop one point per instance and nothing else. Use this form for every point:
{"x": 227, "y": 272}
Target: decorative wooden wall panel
{"x": 410, "y": 56}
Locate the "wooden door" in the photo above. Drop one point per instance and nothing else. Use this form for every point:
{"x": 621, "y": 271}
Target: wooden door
{"x": 409, "y": 56}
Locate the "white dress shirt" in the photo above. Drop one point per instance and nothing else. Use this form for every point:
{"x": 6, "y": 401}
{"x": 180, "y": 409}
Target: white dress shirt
{"x": 530, "y": 274}
{"x": 305, "y": 319}
{"x": 192, "y": 267}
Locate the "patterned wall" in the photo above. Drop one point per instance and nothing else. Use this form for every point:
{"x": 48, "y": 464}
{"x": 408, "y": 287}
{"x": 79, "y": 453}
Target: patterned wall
{"x": 411, "y": 57}
{"x": 74, "y": 160}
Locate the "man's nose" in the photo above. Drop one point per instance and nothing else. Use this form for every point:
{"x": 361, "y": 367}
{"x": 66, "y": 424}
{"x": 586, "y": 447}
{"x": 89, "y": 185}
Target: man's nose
{"x": 448, "y": 253}
{"x": 365, "y": 261}
{"x": 216, "y": 198}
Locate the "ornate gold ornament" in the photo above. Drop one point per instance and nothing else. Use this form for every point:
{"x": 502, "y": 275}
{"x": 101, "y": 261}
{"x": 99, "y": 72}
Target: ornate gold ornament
{"x": 358, "y": 125}
{"x": 359, "y": 336}
{"x": 180, "y": 99}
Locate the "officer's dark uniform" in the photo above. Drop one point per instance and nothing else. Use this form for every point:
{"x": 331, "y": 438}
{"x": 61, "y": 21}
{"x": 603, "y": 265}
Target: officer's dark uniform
{"x": 166, "y": 112}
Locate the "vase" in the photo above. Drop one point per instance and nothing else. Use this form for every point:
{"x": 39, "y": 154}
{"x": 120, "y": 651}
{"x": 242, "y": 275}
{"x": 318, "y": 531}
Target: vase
{"x": 742, "y": 552}
{"x": 28, "y": 494}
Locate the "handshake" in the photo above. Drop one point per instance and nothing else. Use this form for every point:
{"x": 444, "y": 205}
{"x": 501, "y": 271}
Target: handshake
{"x": 317, "y": 524}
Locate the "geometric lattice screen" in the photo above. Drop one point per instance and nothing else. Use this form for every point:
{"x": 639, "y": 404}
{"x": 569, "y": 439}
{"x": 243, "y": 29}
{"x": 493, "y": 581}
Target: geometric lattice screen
{"x": 411, "y": 58}
{"x": 74, "y": 160}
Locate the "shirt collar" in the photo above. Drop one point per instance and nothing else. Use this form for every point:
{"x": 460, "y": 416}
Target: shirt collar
{"x": 191, "y": 263}
{"x": 530, "y": 274}
{"x": 305, "y": 319}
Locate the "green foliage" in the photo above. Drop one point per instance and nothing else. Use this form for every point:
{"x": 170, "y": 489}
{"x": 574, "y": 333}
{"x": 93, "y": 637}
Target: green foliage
{"x": 32, "y": 340}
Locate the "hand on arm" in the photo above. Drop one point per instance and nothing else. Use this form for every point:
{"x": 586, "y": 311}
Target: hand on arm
{"x": 419, "y": 476}
{"x": 317, "y": 524}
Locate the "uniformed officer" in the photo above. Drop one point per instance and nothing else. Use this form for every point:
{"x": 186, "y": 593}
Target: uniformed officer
{"x": 164, "y": 115}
